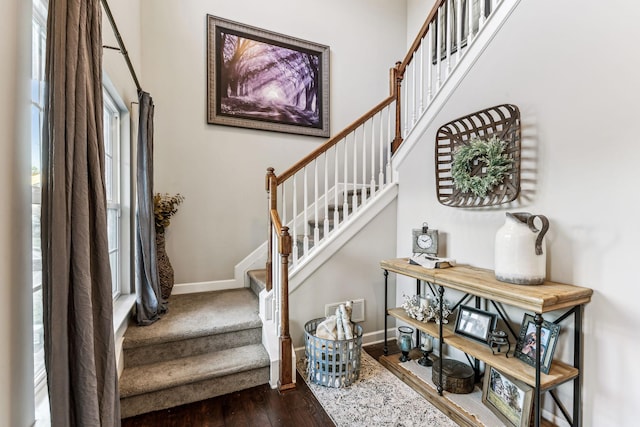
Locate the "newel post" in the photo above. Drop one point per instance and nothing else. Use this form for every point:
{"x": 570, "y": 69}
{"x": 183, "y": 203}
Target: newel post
{"x": 270, "y": 185}
{"x": 286, "y": 369}
{"x": 397, "y": 90}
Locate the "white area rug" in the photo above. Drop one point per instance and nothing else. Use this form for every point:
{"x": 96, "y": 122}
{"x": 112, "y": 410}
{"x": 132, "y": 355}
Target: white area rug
{"x": 472, "y": 402}
{"x": 378, "y": 398}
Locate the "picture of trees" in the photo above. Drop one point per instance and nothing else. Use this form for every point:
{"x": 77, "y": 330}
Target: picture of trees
{"x": 261, "y": 80}
{"x": 508, "y": 398}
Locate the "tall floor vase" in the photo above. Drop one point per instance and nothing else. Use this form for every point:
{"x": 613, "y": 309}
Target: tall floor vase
{"x": 165, "y": 270}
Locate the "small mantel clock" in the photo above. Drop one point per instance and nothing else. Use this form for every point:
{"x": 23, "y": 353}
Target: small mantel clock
{"x": 425, "y": 240}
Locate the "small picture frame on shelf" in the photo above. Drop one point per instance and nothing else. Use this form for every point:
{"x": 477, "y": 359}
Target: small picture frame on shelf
{"x": 475, "y": 323}
{"x": 508, "y": 398}
{"x": 526, "y": 346}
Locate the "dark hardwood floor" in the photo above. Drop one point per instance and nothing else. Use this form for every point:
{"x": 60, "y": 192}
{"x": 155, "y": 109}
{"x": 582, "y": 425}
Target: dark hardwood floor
{"x": 255, "y": 407}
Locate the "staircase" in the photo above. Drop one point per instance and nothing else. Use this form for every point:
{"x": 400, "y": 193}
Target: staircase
{"x": 207, "y": 345}
{"x": 304, "y": 226}
{"x": 210, "y": 344}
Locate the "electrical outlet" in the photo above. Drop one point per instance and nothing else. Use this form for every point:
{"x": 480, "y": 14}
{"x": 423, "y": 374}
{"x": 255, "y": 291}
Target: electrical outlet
{"x": 357, "y": 313}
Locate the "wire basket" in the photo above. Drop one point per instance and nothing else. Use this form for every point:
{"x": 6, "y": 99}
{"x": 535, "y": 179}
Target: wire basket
{"x": 332, "y": 363}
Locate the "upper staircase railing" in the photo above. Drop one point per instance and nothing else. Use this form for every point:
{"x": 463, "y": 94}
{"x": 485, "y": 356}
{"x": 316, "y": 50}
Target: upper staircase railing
{"x": 311, "y": 201}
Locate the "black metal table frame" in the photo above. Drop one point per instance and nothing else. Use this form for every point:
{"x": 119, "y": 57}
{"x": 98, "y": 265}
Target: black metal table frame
{"x": 577, "y": 311}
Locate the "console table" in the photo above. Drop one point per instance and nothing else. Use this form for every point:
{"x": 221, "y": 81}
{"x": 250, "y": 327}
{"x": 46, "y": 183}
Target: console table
{"x": 481, "y": 283}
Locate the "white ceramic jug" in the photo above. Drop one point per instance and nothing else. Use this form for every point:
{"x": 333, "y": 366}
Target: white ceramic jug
{"x": 520, "y": 250}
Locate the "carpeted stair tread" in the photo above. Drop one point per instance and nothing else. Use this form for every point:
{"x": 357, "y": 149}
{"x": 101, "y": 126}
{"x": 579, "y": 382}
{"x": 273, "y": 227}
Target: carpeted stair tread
{"x": 197, "y": 315}
{"x": 177, "y": 372}
{"x": 257, "y": 280}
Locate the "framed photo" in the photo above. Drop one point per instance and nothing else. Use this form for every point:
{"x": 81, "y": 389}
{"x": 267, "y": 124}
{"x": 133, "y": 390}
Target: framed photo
{"x": 508, "y": 398}
{"x": 474, "y": 323}
{"x": 264, "y": 80}
{"x": 526, "y": 345}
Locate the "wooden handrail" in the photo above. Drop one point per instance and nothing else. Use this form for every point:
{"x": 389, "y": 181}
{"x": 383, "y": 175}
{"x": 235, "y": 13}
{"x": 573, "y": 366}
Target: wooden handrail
{"x": 334, "y": 140}
{"x": 395, "y": 80}
{"x": 281, "y": 232}
{"x": 277, "y": 223}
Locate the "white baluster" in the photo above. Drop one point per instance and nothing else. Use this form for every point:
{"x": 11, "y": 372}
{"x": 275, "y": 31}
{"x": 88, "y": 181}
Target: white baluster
{"x": 305, "y": 210}
{"x": 276, "y": 281}
{"x": 429, "y": 64}
{"x": 421, "y": 78}
{"x": 391, "y": 109}
{"x": 355, "y": 172}
{"x": 283, "y": 200}
{"x": 326, "y": 194}
{"x": 381, "y": 144}
{"x": 447, "y": 38}
{"x": 345, "y": 196}
{"x": 316, "y": 202}
{"x": 439, "y": 50}
{"x": 336, "y": 216}
{"x": 413, "y": 89}
{"x": 459, "y": 30}
{"x": 482, "y": 11}
{"x": 363, "y": 193}
{"x": 373, "y": 156}
{"x": 470, "y": 22}
{"x": 405, "y": 87}
{"x": 294, "y": 220}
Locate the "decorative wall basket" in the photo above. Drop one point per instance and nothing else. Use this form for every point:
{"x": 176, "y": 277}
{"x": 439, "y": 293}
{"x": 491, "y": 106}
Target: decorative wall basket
{"x": 502, "y": 122}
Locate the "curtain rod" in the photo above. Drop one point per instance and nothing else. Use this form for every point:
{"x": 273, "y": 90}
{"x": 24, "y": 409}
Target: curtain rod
{"x": 123, "y": 49}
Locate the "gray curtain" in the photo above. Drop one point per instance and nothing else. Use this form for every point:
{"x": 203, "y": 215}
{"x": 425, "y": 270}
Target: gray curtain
{"x": 150, "y": 304}
{"x": 78, "y": 314}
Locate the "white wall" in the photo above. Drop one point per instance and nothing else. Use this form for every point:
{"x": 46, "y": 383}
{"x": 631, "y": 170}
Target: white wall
{"x": 221, "y": 169}
{"x": 417, "y": 12}
{"x": 16, "y": 333}
{"x": 567, "y": 65}
{"x": 351, "y": 273}
{"x": 127, "y": 16}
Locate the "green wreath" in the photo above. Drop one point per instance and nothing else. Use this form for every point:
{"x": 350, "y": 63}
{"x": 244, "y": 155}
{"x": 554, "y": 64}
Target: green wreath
{"x": 491, "y": 153}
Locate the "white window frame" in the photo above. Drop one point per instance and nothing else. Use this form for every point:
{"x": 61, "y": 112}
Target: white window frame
{"x": 123, "y": 188}
{"x": 112, "y": 137}
{"x": 38, "y": 43}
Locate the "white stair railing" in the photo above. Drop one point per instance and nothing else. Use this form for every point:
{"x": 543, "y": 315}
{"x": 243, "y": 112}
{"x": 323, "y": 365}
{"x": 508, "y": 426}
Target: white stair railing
{"x": 322, "y": 193}
{"x": 437, "y": 51}
{"x": 317, "y": 197}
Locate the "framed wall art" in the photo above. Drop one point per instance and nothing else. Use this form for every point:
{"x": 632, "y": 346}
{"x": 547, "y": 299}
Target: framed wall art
{"x": 475, "y": 323}
{"x": 526, "y": 346}
{"x": 264, "y": 80}
{"x": 510, "y": 399}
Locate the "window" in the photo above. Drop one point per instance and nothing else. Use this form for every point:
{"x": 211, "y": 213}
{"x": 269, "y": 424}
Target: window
{"x": 111, "y": 120}
{"x": 117, "y": 184}
{"x": 38, "y": 44}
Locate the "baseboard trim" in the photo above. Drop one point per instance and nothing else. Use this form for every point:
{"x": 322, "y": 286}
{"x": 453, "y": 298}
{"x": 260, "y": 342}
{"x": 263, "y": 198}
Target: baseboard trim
{"x": 193, "y": 288}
